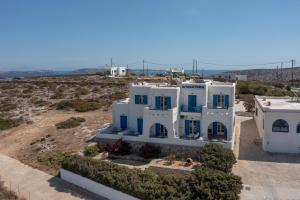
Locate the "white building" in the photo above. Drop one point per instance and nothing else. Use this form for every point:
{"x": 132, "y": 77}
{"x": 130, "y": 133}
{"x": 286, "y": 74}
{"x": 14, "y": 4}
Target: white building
{"x": 189, "y": 113}
{"x": 118, "y": 71}
{"x": 278, "y": 123}
{"x": 232, "y": 77}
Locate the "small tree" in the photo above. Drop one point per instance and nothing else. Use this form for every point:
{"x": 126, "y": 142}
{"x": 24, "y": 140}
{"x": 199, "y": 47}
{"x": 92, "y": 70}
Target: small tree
{"x": 121, "y": 148}
{"x": 215, "y": 156}
{"x": 249, "y": 103}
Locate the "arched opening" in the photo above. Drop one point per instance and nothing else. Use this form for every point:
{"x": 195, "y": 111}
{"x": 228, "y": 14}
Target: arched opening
{"x": 280, "y": 125}
{"x": 217, "y": 131}
{"x": 158, "y": 130}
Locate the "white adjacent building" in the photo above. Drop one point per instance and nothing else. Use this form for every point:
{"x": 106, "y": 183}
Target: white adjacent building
{"x": 278, "y": 123}
{"x": 191, "y": 114}
{"x": 118, "y": 71}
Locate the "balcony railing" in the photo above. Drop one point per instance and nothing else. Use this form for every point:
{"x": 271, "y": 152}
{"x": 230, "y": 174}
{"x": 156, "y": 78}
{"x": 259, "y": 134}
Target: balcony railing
{"x": 196, "y": 109}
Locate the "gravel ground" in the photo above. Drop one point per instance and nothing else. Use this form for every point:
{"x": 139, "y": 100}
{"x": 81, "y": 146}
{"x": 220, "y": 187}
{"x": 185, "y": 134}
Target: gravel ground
{"x": 266, "y": 176}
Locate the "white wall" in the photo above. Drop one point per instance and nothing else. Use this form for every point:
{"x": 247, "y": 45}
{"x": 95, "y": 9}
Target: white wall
{"x": 225, "y": 90}
{"x": 200, "y": 92}
{"x": 280, "y": 141}
{"x": 94, "y": 187}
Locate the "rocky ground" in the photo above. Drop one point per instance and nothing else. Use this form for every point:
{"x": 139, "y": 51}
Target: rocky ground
{"x": 31, "y": 106}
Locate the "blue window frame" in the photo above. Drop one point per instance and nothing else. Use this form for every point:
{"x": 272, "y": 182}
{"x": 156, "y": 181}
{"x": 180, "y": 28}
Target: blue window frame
{"x": 163, "y": 102}
{"x": 192, "y": 127}
{"x": 220, "y": 101}
{"x": 280, "y": 125}
{"x": 141, "y": 99}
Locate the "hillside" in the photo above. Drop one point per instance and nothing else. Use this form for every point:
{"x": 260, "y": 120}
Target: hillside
{"x": 270, "y": 75}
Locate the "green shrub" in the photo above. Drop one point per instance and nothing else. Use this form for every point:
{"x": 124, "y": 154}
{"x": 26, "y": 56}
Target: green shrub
{"x": 8, "y": 123}
{"x": 103, "y": 146}
{"x": 217, "y": 157}
{"x": 213, "y": 184}
{"x": 202, "y": 184}
{"x": 70, "y": 123}
{"x": 88, "y": 106}
{"x": 150, "y": 151}
{"x": 78, "y": 104}
{"x": 91, "y": 151}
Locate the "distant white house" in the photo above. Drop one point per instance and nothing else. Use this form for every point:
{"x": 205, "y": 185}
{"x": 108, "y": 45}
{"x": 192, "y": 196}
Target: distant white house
{"x": 278, "y": 123}
{"x": 118, "y": 71}
{"x": 232, "y": 77}
{"x": 190, "y": 114}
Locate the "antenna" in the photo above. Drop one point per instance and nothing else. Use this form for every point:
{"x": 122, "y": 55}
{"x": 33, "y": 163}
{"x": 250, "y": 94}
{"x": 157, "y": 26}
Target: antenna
{"x": 111, "y": 62}
{"x": 293, "y": 63}
{"x": 143, "y": 67}
{"x": 196, "y": 66}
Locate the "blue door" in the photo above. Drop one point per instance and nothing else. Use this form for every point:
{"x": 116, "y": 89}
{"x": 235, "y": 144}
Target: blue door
{"x": 123, "y": 120}
{"x": 192, "y": 103}
{"x": 140, "y": 125}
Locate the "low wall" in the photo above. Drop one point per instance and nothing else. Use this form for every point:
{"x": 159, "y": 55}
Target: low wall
{"x": 94, "y": 187}
{"x": 166, "y": 149}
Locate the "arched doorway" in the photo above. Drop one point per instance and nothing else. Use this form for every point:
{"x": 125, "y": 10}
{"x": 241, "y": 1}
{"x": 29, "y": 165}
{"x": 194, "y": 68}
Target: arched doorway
{"x": 217, "y": 131}
{"x": 158, "y": 130}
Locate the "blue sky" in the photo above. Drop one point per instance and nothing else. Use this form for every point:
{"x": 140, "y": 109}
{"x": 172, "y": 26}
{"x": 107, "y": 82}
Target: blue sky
{"x": 64, "y": 34}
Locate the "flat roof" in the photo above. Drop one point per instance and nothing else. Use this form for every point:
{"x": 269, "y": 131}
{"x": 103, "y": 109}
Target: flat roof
{"x": 268, "y": 103}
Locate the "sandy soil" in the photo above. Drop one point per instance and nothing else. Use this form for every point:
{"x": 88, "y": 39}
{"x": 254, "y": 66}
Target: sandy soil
{"x": 27, "y": 142}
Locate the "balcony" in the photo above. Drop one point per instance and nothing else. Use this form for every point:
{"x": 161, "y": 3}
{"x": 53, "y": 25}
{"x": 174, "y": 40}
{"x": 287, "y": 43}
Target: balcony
{"x": 185, "y": 108}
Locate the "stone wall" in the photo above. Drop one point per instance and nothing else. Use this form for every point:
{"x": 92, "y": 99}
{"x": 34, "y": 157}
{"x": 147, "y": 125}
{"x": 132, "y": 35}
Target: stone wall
{"x": 166, "y": 149}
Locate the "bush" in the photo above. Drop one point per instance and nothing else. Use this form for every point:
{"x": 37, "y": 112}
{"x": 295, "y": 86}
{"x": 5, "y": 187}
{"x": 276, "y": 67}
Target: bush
{"x": 150, "y": 151}
{"x": 78, "y": 104}
{"x": 8, "y": 123}
{"x": 202, "y": 184}
{"x": 121, "y": 148}
{"x": 103, "y": 147}
{"x": 215, "y": 156}
{"x": 213, "y": 184}
{"x": 91, "y": 151}
{"x": 70, "y": 123}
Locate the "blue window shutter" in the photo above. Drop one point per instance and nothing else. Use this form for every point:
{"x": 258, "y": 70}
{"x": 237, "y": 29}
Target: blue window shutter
{"x": 137, "y": 99}
{"x": 225, "y": 132}
{"x": 140, "y": 125}
{"x": 157, "y": 102}
{"x": 215, "y": 128}
{"x": 186, "y": 127}
{"x": 145, "y": 99}
{"x": 215, "y": 101}
{"x": 198, "y": 126}
{"x": 168, "y": 102}
{"x": 226, "y": 101}
{"x": 157, "y": 129}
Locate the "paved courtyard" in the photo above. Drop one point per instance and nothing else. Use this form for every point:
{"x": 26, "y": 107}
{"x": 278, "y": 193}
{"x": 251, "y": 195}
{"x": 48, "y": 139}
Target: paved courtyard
{"x": 37, "y": 185}
{"x": 267, "y": 176}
